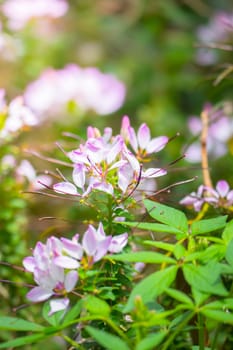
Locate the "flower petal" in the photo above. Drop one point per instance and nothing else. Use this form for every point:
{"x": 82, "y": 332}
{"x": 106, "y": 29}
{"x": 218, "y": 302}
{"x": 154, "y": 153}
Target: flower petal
{"x": 58, "y": 305}
{"x": 143, "y": 136}
{"x": 222, "y": 188}
{"x": 65, "y": 188}
{"x": 71, "y": 279}
{"x": 38, "y": 294}
{"x": 157, "y": 144}
{"x": 66, "y": 262}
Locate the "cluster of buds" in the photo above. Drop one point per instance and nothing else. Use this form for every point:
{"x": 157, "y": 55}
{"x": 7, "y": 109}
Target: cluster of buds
{"x": 112, "y": 164}
{"x": 55, "y": 264}
{"x": 221, "y": 197}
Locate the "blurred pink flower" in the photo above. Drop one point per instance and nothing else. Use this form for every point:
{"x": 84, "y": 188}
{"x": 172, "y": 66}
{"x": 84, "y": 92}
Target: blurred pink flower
{"x": 220, "y": 130}
{"x": 20, "y": 12}
{"x": 218, "y": 30}
{"x": 18, "y": 115}
{"x": 89, "y": 88}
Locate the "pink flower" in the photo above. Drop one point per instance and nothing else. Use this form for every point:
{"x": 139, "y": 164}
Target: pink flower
{"x": 52, "y": 280}
{"x": 89, "y": 88}
{"x": 220, "y": 130}
{"x": 118, "y": 243}
{"x": 18, "y": 116}
{"x": 95, "y": 243}
{"x": 195, "y": 199}
{"x": 222, "y": 196}
{"x": 141, "y": 143}
{"x": 20, "y": 12}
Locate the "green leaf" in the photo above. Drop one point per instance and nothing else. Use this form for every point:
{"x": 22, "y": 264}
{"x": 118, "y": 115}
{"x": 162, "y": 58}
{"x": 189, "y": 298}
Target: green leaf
{"x": 107, "y": 340}
{"x": 22, "y": 341}
{"x": 165, "y": 246}
{"x": 213, "y": 252}
{"x": 229, "y": 253}
{"x": 178, "y": 295}
{"x": 96, "y": 306}
{"x": 151, "y": 341}
{"x": 151, "y": 226}
{"x": 218, "y": 315}
{"x": 146, "y": 257}
{"x": 152, "y": 286}
{"x": 205, "y": 278}
{"x": 227, "y": 234}
{"x": 205, "y": 226}
{"x": 167, "y": 215}
{"x": 74, "y": 312}
{"x": 54, "y": 319}
{"x": 179, "y": 251}
{"x": 18, "y": 324}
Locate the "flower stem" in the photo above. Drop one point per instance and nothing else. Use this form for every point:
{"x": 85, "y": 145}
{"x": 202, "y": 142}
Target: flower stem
{"x": 201, "y": 332}
{"x": 204, "y": 155}
{"x": 178, "y": 330}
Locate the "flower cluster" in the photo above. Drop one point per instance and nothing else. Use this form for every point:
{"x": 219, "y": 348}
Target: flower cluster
{"x": 19, "y": 13}
{"x": 55, "y": 264}
{"x": 218, "y": 30}
{"x": 220, "y": 130}
{"x": 16, "y": 115}
{"x": 89, "y": 88}
{"x": 24, "y": 171}
{"x": 221, "y": 197}
{"x": 112, "y": 164}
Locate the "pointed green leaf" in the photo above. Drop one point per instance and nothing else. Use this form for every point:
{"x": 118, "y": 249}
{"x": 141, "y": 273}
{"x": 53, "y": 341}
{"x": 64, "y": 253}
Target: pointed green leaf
{"x": 22, "y": 341}
{"x": 151, "y": 226}
{"x": 151, "y": 341}
{"x": 18, "y": 324}
{"x": 146, "y": 257}
{"x": 210, "y": 225}
{"x": 96, "y": 306}
{"x": 167, "y": 215}
{"x": 227, "y": 235}
{"x": 205, "y": 278}
{"x": 179, "y": 251}
{"x": 74, "y": 312}
{"x": 229, "y": 253}
{"x": 178, "y": 295}
{"x": 152, "y": 286}
{"x": 107, "y": 340}
{"x": 165, "y": 246}
{"x": 218, "y": 315}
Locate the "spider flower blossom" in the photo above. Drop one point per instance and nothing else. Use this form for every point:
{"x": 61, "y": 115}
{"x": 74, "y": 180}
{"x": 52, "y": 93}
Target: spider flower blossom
{"x": 55, "y": 264}
{"x": 105, "y": 163}
{"x": 89, "y": 88}
{"x": 221, "y": 196}
{"x": 17, "y": 115}
{"x": 20, "y": 12}
{"x": 217, "y": 31}
{"x": 220, "y": 130}
{"x": 141, "y": 143}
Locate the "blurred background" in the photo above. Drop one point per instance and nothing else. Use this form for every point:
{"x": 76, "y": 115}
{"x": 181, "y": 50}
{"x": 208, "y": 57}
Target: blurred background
{"x": 80, "y": 62}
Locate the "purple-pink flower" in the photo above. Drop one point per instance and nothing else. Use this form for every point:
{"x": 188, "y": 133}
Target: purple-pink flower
{"x": 55, "y": 264}
{"x": 141, "y": 142}
{"x": 220, "y": 197}
{"x": 88, "y": 88}
{"x": 105, "y": 163}
{"x": 220, "y": 130}
{"x": 18, "y": 116}
{"x": 20, "y": 12}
